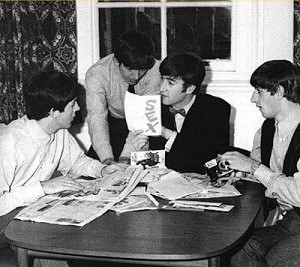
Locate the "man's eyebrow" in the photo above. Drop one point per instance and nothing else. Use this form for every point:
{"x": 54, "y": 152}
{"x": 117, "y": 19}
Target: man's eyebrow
{"x": 169, "y": 78}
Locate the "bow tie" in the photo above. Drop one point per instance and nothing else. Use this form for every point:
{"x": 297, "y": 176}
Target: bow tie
{"x": 174, "y": 111}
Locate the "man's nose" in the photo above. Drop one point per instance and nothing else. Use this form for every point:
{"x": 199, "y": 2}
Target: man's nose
{"x": 134, "y": 74}
{"x": 163, "y": 86}
{"x": 76, "y": 108}
{"x": 254, "y": 97}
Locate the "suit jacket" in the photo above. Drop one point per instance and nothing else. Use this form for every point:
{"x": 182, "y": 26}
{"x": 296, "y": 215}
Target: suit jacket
{"x": 204, "y": 134}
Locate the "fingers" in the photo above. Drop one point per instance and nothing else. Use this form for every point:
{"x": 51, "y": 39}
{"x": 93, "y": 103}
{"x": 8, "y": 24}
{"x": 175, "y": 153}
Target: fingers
{"x": 107, "y": 170}
{"x": 137, "y": 132}
{"x": 59, "y": 184}
{"x": 70, "y": 184}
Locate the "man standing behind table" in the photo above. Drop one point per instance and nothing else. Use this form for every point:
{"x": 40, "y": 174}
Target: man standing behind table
{"x": 275, "y": 162}
{"x": 38, "y": 144}
{"x": 195, "y": 125}
{"x": 132, "y": 67}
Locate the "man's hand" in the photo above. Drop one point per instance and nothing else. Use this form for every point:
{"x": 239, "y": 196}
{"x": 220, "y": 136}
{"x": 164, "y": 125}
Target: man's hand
{"x": 60, "y": 184}
{"x": 110, "y": 169}
{"x": 137, "y": 139}
{"x": 166, "y": 133}
{"x": 108, "y": 161}
{"x": 237, "y": 161}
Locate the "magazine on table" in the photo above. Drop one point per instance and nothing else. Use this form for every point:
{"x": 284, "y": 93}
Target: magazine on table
{"x": 74, "y": 208}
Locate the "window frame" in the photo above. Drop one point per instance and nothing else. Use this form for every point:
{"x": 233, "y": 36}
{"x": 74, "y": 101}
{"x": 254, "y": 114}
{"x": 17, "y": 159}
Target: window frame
{"x": 251, "y": 38}
{"x": 217, "y": 65}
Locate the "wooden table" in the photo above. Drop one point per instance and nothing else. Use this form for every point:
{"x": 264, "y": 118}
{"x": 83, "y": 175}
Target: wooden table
{"x": 156, "y": 237}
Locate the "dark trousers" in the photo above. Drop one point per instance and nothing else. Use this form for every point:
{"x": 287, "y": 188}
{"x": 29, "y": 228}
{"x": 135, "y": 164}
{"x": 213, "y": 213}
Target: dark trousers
{"x": 277, "y": 245}
{"x": 118, "y": 132}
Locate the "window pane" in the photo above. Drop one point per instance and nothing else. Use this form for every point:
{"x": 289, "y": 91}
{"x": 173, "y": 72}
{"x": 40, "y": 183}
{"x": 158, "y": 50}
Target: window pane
{"x": 205, "y": 31}
{"x": 115, "y": 21}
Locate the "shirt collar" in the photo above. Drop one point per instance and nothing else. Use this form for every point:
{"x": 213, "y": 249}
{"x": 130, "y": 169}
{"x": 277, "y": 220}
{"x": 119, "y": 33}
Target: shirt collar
{"x": 35, "y": 129}
{"x": 289, "y": 123}
{"x": 189, "y": 105}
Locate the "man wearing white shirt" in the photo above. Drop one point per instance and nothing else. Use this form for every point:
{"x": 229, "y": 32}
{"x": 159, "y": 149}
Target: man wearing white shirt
{"x": 195, "y": 125}
{"x": 38, "y": 144}
{"x": 275, "y": 162}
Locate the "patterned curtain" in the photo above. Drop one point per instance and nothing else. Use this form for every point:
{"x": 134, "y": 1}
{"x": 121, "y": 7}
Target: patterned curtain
{"x": 297, "y": 32}
{"x": 34, "y": 36}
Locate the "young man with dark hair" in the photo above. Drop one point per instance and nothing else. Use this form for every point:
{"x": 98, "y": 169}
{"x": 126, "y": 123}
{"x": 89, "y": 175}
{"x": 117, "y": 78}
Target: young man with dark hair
{"x": 132, "y": 67}
{"x": 195, "y": 125}
{"x": 275, "y": 162}
{"x": 38, "y": 144}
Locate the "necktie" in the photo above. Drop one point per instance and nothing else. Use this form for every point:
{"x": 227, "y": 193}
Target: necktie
{"x": 177, "y": 111}
{"x": 131, "y": 89}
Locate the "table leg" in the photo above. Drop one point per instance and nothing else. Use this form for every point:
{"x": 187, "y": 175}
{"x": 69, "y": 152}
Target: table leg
{"x": 22, "y": 257}
{"x": 214, "y": 262}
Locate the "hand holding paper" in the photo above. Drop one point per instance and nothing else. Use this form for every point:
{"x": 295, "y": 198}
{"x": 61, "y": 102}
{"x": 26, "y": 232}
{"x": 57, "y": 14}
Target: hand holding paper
{"x": 137, "y": 139}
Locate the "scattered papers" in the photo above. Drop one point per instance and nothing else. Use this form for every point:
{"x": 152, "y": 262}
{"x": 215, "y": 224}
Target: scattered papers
{"x": 79, "y": 209}
{"x": 136, "y": 203}
{"x": 118, "y": 185}
{"x": 149, "y": 159}
{"x": 173, "y": 186}
{"x": 143, "y": 113}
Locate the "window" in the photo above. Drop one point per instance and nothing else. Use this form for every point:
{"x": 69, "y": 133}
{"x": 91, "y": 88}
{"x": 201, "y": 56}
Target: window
{"x": 200, "y": 27}
{"x": 238, "y": 34}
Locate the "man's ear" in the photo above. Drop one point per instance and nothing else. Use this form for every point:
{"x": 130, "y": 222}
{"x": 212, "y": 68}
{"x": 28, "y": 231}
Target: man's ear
{"x": 190, "y": 89}
{"x": 280, "y": 92}
{"x": 53, "y": 113}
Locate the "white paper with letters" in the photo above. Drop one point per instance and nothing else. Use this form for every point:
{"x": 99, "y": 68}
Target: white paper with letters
{"x": 143, "y": 113}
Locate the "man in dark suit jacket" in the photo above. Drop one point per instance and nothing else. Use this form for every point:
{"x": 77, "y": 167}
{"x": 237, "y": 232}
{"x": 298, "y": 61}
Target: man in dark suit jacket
{"x": 195, "y": 125}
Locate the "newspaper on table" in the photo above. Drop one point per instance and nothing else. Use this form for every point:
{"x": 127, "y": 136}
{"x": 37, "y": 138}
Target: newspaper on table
{"x": 78, "y": 209}
{"x": 143, "y": 113}
{"x": 65, "y": 211}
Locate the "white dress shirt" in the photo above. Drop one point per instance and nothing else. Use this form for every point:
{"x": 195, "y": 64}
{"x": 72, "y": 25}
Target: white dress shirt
{"x": 30, "y": 156}
{"x": 179, "y": 120}
{"x": 285, "y": 189}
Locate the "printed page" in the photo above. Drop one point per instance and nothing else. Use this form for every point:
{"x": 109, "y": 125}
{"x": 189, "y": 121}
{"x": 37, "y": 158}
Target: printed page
{"x": 173, "y": 186}
{"x": 64, "y": 211}
{"x": 69, "y": 208}
{"x": 143, "y": 113}
{"x": 135, "y": 203}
